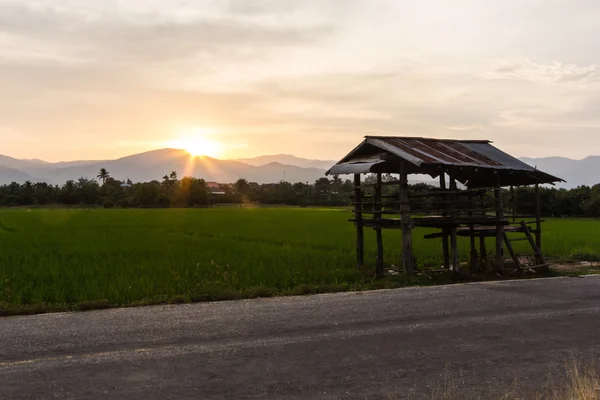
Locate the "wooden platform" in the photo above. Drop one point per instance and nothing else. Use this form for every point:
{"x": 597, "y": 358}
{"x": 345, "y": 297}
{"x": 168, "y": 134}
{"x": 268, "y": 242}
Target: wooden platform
{"x": 481, "y": 231}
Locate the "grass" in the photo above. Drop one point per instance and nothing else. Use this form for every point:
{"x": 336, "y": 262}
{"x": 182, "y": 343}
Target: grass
{"x": 578, "y": 381}
{"x": 58, "y": 259}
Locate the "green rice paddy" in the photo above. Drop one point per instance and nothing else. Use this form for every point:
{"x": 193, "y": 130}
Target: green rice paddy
{"x": 75, "y": 258}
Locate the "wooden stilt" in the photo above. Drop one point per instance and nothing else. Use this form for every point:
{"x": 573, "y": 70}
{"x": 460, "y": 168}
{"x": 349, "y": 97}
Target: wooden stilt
{"x": 445, "y": 247}
{"x": 513, "y": 204}
{"x": 406, "y": 222}
{"x": 538, "y": 229}
{"x": 499, "y": 227}
{"x": 474, "y": 259}
{"x": 360, "y": 237}
{"x": 482, "y": 249}
{"x": 538, "y": 220}
{"x": 453, "y": 237}
{"x": 377, "y": 216}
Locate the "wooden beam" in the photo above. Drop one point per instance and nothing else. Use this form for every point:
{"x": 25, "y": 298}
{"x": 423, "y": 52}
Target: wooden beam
{"x": 406, "y": 223}
{"x": 482, "y": 249}
{"x": 513, "y": 204}
{"x": 453, "y": 237}
{"x": 445, "y": 247}
{"x": 377, "y": 208}
{"x": 499, "y": 227}
{"x": 473, "y": 256}
{"x": 358, "y": 222}
{"x": 538, "y": 220}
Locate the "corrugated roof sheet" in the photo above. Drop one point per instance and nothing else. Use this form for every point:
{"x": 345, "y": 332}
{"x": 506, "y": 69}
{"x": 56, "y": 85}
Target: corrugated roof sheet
{"x": 429, "y": 152}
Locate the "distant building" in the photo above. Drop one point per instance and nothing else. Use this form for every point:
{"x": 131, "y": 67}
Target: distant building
{"x": 216, "y": 188}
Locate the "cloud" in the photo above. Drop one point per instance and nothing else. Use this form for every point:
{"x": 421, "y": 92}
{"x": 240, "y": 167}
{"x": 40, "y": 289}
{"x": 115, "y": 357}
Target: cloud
{"x": 550, "y": 72}
{"x": 462, "y": 128}
{"x": 102, "y": 36}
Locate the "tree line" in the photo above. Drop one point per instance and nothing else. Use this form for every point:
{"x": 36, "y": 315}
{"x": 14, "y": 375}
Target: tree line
{"x": 171, "y": 191}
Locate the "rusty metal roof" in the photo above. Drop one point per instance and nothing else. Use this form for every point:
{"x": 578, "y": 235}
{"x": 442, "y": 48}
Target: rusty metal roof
{"x": 428, "y": 155}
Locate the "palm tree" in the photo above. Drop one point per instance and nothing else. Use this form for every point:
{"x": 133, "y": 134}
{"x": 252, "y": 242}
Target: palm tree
{"x": 103, "y": 175}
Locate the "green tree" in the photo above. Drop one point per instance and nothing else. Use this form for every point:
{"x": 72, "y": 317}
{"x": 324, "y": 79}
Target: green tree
{"x": 241, "y": 187}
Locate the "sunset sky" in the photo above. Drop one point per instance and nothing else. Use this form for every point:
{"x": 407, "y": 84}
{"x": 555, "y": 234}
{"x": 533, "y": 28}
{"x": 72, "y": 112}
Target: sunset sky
{"x": 82, "y": 79}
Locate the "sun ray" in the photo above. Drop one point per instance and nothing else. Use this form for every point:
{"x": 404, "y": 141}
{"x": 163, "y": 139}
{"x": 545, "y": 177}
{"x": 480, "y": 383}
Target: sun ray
{"x": 198, "y": 143}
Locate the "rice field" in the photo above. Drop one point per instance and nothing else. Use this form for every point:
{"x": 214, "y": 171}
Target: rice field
{"x": 57, "y": 258}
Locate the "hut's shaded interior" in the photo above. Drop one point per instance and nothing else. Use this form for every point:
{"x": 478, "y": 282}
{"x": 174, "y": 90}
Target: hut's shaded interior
{"x": 469, "y": 172}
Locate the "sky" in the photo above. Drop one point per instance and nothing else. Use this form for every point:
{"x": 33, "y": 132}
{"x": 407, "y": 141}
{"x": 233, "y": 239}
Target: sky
{"x": 83, "y": 79}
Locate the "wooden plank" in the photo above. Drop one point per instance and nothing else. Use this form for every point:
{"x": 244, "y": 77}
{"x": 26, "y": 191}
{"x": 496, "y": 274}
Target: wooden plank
{"x": 534, "y": 222}
{"x": 373, "y": 185}
{"x": 358, "y": 221}
{"x": 445, "y": 192}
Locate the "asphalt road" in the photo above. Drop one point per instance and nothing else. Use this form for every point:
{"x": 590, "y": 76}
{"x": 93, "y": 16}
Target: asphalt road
{"x": 373, "y": 345}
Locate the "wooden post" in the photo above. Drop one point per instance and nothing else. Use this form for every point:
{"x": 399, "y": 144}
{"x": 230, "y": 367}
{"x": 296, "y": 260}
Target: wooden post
{"x": 445, "y": 248}
{"x": 499, "y": 226}
{"x": 406, "y": 223}
{"x": 360, "y": 237}
{"x": 482, "y": 249}
{"x": 473, "y": 254}
{"x": 538, "y": 220}
{"x": 513, "y": 204}
{"x": 453, "y": 214}
{"x": 377, "y": 209}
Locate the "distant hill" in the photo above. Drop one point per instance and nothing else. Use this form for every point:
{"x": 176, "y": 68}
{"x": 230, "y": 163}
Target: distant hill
{"x": 153, "y": 165}
{"x": 8, "y": 175}
{"x": 15, "y": 163}
{"x": 575, "y": 172}
{"x": 288, "y": 159}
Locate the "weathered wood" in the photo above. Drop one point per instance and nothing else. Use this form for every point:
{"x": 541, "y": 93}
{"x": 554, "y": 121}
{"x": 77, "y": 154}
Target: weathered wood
{"x": 358, "y": 221}
{"x": 445, "y": 247}
{"x": 372, "y": 185}
{"x": 377, "y": 206}
{"x": 407, "y": 248}
{"x": 453, "y": 237}
{"x": 444, "y": 192}
{"x": 513, "y": 204}
{"x": 499, "y": 228}
{"x": 538, "y": 222}
{"x": 514, "y": 257}
{"x": 473, "y": 257}
{"x": 539, "y": 259}
{"x": 482, "y": 249}
{"x": 424, "y": 222}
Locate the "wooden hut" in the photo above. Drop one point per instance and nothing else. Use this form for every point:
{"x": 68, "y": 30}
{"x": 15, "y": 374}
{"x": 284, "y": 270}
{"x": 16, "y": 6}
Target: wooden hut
{"x": 469, "y": 172}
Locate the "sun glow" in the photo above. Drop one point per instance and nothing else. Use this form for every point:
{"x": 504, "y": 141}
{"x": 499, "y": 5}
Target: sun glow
{"x": 197, "y": 143}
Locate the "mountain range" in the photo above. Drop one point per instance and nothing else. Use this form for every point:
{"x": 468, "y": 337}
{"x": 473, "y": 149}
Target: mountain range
{"x": 575, "y": 172}
{"x": 153, "y": 165}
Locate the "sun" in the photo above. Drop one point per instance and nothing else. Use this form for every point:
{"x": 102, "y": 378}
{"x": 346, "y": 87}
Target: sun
{"x": 201, "y": 147}
{"x": 197, "y": 143}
